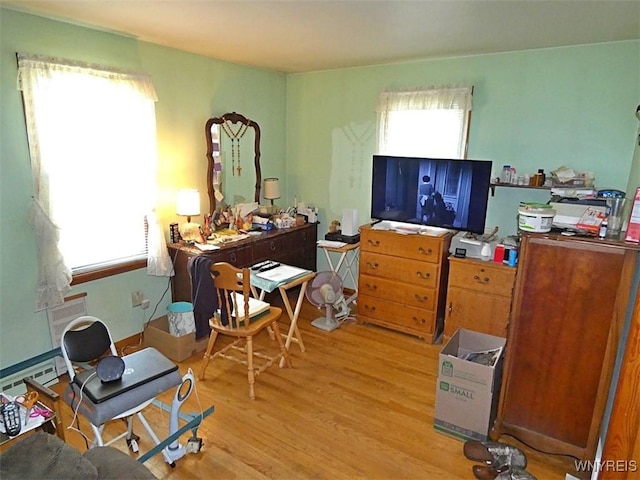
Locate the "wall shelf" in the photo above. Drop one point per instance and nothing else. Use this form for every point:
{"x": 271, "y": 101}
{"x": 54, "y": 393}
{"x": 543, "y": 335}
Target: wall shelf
{"x": 493, "y": 186}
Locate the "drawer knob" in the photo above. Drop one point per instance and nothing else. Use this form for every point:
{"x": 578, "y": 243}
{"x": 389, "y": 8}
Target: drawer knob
{"x": 424, "y": 275}
{"x": 272, "y": 246}
{"x": 419, "y": 321}
{"x": 481, "y": 280}
{"x": 369, "y": 308}
{"x": 420, "y": 298}
{"x": 371, "y": 287}
{"x": 374, "y": 243}
{"x": 428, "y": 251}
{"x": 233, "y": 257}
{"x": 372, "y": 265}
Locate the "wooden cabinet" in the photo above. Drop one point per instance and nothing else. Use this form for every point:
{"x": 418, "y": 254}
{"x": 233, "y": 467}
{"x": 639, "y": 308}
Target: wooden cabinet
{"x": 478, "y": 296}
{"x": 569, "y": 306}
{"x": 402, "y": 281}
{"x": 294, "y": 246}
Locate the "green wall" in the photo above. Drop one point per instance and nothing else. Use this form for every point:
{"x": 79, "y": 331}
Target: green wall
{"x": 532, "y": 109}
{"x": 190, "y": 90}
{"x": 535, "y": 109}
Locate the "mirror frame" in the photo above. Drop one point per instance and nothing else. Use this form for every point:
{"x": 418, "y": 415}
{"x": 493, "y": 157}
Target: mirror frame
{"x": 234, "y": 118}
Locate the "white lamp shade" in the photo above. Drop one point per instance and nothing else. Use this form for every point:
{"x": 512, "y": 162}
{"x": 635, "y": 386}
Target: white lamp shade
{"x": 188, "y": 202}
{"x": 271, "y": 188}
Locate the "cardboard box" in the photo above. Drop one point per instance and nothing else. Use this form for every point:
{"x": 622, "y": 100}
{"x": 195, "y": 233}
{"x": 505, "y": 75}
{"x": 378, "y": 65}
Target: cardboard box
{"x": 467, "y": 392}
{"x": 156, "y": 334}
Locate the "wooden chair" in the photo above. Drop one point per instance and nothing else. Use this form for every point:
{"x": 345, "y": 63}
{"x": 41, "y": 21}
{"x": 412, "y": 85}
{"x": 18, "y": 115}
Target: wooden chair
{"x": 229, "y": 279}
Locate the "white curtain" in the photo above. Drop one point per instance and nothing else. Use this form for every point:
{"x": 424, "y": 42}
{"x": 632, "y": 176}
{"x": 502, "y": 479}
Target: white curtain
{"x": 450, "y": 104}
{"x": 158, "y": 260}
{"x": 45, "y": 82}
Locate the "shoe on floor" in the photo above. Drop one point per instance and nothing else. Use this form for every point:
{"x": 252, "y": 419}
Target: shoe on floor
{"x": 495, "y": 454}
{"x": 483, "y": 472}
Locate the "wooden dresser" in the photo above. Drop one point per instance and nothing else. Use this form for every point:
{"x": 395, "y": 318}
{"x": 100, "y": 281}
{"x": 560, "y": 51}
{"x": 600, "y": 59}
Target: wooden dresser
{"x": 402, "y": 281}
{"x": 570, "y": 302}
{"x": 294, "y": 246}
{"x": 478, "y": 296}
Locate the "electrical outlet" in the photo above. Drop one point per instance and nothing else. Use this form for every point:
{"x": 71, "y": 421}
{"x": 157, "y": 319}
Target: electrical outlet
{"x": 136, "y": 298}
{"x": 145, "y": 303}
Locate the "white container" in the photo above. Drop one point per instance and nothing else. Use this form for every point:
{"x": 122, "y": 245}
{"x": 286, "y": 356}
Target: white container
{"x": 535, "y": 218}
{"x": 181, "y": 318}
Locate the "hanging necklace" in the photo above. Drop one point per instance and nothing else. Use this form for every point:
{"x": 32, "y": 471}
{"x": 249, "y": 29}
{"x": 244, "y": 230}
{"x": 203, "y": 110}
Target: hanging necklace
{"x": 235, "y": 137}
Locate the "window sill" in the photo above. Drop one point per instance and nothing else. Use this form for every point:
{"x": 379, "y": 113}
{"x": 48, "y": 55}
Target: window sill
{"x": 108, "y": 271}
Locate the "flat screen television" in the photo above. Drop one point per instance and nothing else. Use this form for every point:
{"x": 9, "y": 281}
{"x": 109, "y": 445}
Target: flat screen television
{"x": 439, "y": 192}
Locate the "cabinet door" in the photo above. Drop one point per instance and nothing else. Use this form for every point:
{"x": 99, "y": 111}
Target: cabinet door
{"x": 558, "y": 363}
{"x": 476, "y": 311}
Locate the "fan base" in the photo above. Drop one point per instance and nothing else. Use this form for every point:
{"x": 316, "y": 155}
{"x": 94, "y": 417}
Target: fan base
{"x": 326, "y": 324}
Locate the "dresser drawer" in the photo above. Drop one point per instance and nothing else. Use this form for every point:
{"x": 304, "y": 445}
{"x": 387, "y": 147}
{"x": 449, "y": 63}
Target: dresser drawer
{"x": 418, "y": 247}
{"x": 271, "y": 248}
{"x": 392, "y": 314}
{"x": 413, "y": 295}
{"x": 395, "y": 268}
{"x": 482, "y": 277}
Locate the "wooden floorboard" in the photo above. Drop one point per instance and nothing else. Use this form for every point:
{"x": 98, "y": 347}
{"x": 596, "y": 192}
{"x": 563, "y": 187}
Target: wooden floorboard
{"x": 358, "y": 404}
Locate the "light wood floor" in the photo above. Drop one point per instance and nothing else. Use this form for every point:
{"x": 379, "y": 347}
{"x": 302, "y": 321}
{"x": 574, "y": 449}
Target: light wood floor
{"x": 358, "y": 404}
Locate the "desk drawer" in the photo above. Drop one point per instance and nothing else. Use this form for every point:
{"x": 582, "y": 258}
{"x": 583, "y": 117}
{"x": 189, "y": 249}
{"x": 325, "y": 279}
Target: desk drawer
{"x": 482, "y": 277}
{"x": 412, "y": 295}
{"x": 417, "y": 247}
{"x": 394, "y": 268}
{"x": 236, "y": 256}
{"x": 271, "y": 248}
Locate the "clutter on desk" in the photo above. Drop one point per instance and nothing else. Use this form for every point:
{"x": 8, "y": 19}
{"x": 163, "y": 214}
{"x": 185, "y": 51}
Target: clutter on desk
{"x": 310, "y": 213}
{"x": 591, "y": 221}
{"x": 31, "y": 414}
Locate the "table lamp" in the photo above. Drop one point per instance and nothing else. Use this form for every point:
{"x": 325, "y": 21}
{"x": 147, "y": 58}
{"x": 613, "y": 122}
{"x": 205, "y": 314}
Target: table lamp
{"x": 188, "y": 204}
{"x": 271, "y": 190}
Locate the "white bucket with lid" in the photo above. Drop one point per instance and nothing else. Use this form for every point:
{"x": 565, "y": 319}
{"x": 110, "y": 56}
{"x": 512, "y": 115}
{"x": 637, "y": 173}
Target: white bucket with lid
{"x": 535, "y": 217}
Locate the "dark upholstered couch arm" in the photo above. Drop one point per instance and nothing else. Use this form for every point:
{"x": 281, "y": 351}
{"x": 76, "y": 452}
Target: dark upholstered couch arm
{"x": 40, "y": 455}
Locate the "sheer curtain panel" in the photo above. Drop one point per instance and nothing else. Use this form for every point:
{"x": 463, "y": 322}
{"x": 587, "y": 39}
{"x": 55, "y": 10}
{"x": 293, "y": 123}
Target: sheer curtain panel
{"x": 426, "y": 121}
{"x": 92, "y": 143}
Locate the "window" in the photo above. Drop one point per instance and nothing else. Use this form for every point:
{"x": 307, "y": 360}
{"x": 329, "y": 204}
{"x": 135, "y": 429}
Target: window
{"x": 425, "y": 122}
{"x": 92, "y": 141}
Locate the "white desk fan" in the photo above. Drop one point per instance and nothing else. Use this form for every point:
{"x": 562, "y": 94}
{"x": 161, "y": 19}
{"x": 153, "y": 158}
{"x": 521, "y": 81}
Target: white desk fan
{"x": 325, "y": 291}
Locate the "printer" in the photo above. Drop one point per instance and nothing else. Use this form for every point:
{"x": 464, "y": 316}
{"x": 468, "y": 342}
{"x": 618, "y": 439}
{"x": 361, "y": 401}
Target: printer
{"x": 569, "y": 210}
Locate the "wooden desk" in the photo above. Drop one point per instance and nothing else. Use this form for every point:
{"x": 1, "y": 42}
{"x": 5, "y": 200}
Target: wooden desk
{"x": 291, "y": 246}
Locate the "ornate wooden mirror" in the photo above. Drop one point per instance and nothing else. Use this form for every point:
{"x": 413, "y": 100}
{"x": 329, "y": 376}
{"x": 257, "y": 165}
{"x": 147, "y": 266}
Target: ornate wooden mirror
{"x": 229, "y": 127}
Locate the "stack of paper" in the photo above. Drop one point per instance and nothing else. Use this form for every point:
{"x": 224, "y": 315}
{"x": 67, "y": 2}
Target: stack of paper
{"x": 282, "y": 273}
{"x": 256, "y": 307}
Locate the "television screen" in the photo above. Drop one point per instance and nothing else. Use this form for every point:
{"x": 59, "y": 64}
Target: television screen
{"x": 439, "y": 192}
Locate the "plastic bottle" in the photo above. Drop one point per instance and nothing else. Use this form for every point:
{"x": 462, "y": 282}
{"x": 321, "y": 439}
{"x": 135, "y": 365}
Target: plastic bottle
{"x": 513, "y": 176}
{"x": 543, "y": 177}
{"x": 505, "y": 175}
{"x": 603, "y": 229}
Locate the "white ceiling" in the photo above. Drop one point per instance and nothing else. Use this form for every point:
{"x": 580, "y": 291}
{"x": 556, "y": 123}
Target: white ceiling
{"x": 308, "y": 35}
